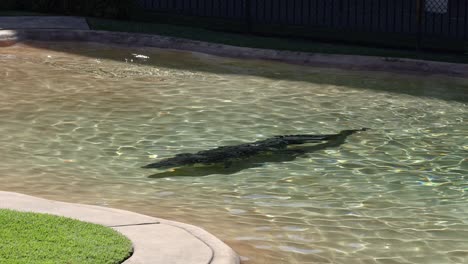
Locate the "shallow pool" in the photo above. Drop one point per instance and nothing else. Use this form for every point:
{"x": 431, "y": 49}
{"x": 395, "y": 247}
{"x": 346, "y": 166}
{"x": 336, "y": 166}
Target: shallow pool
{"x": 79, "y": 120}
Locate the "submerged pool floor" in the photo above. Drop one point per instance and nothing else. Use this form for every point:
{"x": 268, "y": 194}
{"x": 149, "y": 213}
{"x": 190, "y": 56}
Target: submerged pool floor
{"x": 79, "y": 120}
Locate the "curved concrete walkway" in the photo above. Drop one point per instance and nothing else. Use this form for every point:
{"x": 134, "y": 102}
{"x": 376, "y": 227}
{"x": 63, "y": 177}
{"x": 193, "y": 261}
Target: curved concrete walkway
{"x": 155, "y": 241}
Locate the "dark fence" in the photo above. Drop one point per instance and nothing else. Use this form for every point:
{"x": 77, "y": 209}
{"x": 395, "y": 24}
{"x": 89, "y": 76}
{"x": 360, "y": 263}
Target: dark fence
{"x": 441, "y": 21}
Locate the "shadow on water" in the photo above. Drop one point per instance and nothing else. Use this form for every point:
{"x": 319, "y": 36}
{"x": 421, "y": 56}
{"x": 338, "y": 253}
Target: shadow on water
{"x": 415, "y": 84}
{"x": 237, "y": 165}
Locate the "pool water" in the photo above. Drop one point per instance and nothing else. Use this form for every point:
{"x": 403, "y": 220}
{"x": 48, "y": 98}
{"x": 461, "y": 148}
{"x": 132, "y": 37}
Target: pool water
{"x": 79, "y": 120}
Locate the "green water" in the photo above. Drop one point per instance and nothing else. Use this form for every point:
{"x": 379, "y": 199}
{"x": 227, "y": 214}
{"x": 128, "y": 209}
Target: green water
{"x": 79, "y": 120}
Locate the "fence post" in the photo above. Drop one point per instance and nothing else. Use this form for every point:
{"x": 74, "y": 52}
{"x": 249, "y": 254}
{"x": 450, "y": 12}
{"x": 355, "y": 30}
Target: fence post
{"x": 248, "y": 15}
{"x": 420, "y": 7}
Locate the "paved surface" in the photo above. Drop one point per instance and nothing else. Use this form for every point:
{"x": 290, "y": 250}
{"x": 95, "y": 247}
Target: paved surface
{"x": 155, "y": 241}
{"x": 44, "y": 22}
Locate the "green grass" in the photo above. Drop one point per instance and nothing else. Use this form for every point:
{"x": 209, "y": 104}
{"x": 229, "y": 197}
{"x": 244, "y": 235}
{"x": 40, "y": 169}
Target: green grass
{"x": 40, "y": 238}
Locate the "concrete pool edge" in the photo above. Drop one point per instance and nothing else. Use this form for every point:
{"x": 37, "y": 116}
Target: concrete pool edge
{"x": 180, "y": 243}
{"x": 349, "y": 62}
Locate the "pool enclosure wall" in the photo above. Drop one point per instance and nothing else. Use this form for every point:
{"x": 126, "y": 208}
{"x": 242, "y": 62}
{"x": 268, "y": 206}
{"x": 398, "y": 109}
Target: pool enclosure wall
{"x": 433, "y": 24}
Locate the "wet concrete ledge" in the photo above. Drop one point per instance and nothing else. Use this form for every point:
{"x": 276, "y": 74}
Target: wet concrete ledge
{"x": 348, "y": 62}
{"x": 155, "y": 240}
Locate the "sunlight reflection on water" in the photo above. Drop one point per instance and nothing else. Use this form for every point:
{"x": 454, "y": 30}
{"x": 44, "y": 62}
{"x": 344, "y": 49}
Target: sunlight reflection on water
{"x": 79, "y": 122}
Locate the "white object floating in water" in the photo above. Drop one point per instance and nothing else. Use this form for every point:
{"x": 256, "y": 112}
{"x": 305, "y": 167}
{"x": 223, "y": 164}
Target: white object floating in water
{"x": 140, "y": 56}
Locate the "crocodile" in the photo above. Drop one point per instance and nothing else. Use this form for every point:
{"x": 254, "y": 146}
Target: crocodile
{"x": 230, "y": 159}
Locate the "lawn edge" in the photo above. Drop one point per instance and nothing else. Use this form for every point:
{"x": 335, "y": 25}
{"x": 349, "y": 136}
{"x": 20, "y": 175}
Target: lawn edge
{"x": 140, "y": 229}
